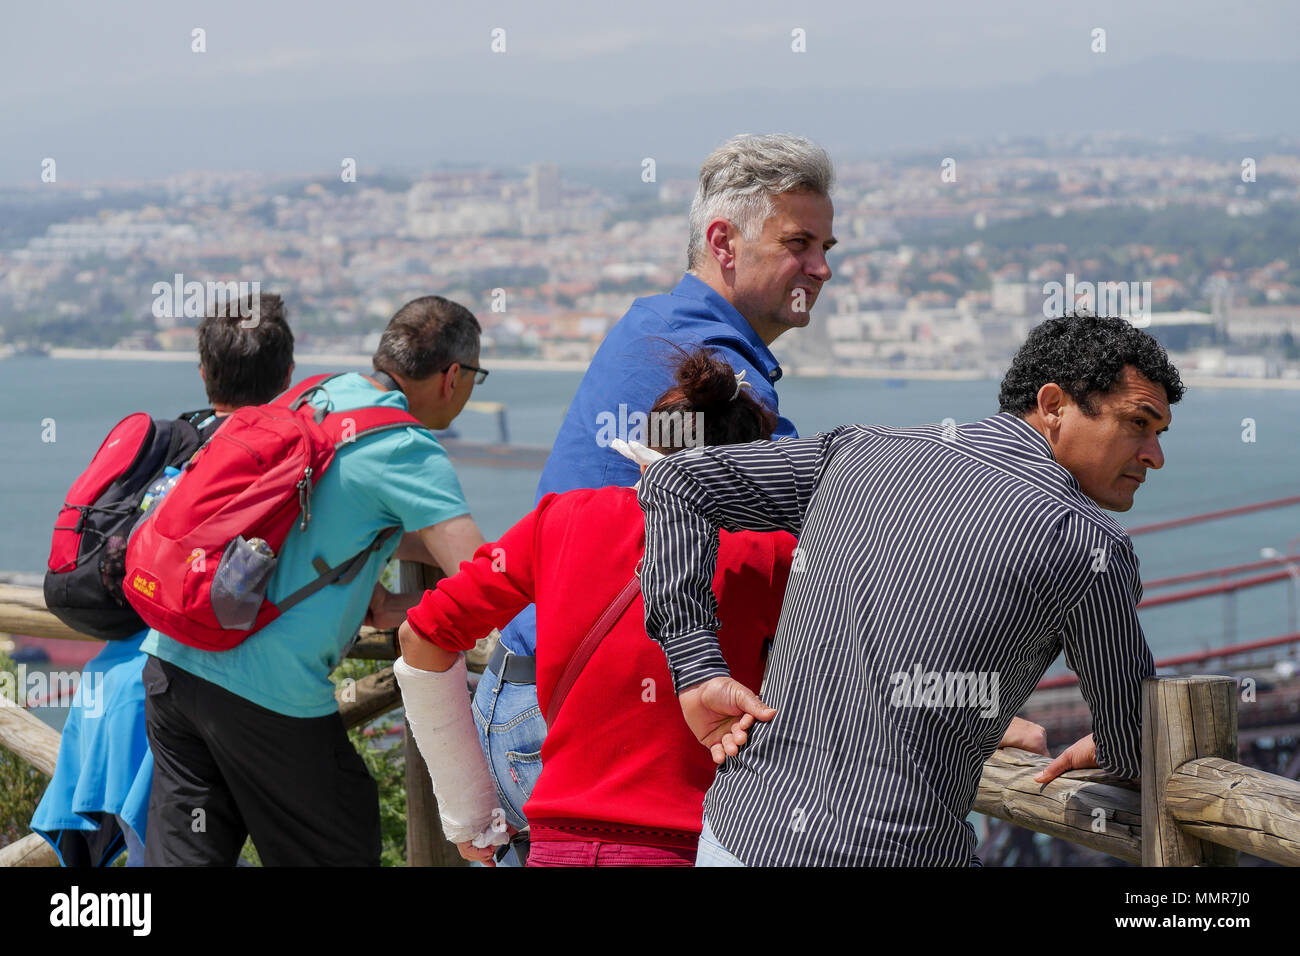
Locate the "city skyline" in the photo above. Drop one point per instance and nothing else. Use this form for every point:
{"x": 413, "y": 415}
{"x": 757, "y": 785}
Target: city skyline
{"x": 942, "y": 267}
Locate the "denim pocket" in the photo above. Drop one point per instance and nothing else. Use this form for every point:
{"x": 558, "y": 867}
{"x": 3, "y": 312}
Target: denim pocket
{"x": 525, "y": 768}
{"x": 511, "y": 731}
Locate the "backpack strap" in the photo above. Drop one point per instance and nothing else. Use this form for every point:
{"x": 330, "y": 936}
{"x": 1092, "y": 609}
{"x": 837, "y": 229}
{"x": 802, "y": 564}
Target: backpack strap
{"x": 340, "y": 573}
{"x": 364, "y": 421}
{"x": 197, "y": 416}
{"x": 604, "y": 624}
{"x": 296, "y": 395}
{"x": 383, "y": 378}
{"x": 345, "y": 427}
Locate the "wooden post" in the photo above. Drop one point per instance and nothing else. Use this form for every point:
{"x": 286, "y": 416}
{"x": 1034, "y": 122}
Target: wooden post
{"x": 425, "y": 844}
{"x": 28, "y": 736}
{"x": 421, "y": 809}
{"x": 1183, "y": 719}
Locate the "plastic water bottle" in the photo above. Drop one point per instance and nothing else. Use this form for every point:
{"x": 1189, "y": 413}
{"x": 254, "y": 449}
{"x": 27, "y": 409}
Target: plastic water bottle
{"x": 239, "y": 586}
{"x": 160, "y": 488}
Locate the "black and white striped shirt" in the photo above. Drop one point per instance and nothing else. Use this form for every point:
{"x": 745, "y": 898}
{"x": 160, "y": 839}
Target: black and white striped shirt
{"x": 940, "y": 570}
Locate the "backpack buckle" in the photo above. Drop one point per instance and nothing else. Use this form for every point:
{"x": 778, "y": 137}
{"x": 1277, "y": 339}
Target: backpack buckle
{"x": 304, "y": 497}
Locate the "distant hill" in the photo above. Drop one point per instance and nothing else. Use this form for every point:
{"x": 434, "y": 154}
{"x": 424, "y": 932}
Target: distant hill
{"x": 1156, "y": 97}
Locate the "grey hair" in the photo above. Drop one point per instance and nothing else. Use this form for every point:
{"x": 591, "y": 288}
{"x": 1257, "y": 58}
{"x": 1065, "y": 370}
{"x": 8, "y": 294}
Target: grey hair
{"x": 740, "y": 177}
{"x": 425, "y": 337}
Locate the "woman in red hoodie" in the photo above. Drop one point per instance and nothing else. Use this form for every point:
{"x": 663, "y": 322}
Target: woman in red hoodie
{"x": 623, "y": 778}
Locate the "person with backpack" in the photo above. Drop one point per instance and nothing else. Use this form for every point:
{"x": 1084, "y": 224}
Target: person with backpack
{"x": 290, "y": 514}
{"x": 96, "y": 803}
{"x": 622, "y": 778}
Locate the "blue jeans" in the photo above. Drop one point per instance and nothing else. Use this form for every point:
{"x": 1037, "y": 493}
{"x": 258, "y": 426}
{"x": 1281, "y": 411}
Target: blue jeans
{"x": 711, "y": 852}
{"x": 511, "y": 730}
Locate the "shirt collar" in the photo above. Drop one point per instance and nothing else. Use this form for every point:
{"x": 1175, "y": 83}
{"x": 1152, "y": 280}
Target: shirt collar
{"x": 1024, "y": 433}
{"x": 693, "y": 287}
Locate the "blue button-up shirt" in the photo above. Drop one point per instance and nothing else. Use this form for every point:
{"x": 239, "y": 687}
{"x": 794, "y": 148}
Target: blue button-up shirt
{"x": 631, "y": 369}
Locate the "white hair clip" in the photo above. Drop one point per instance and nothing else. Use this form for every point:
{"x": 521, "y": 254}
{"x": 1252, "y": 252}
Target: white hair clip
{"x": 740, "y": 383}
{"x": 635, "y": 451}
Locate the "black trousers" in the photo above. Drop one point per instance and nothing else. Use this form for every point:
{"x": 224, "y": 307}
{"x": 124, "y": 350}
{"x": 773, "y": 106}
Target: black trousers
{"x": 226, "y": 768}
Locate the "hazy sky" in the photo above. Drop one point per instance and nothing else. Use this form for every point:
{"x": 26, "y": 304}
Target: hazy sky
{"x": 114, "y": 89}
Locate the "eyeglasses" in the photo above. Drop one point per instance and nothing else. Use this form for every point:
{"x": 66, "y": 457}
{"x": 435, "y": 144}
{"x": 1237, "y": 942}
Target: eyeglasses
{"x": 481, "y": 373}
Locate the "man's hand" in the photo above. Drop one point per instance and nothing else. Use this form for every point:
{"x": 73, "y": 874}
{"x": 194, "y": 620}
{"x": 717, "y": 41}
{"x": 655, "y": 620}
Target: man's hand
{"x": 388, "y": 610}
{"x": 720, "y": 712}
{"x": 1026, "y": 735}
{"x": 1080, "y": 755}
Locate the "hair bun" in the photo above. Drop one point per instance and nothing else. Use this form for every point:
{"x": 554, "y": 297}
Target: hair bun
{"x": 706, "y": 380}
{"x": 706, "y": 389}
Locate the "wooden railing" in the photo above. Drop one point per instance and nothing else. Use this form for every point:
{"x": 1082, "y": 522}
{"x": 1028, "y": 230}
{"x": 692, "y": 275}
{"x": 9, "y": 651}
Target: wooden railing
{"x": 1196, "y": 807}
{"x": 1067, "y": 807}
{"x": 23, "y": 611}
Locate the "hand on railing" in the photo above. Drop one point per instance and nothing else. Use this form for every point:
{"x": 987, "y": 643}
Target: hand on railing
{"x": 1025, "y": 735}
{"x": 1080, "y": 755}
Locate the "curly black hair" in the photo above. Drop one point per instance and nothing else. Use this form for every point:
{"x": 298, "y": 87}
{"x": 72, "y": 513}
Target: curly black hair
{"x": 1084, "y": 354}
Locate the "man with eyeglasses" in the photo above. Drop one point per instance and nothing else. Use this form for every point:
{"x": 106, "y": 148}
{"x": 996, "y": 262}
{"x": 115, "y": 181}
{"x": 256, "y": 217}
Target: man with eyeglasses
{"x": 480, "y": 373}
{"x": 248, "y": 741}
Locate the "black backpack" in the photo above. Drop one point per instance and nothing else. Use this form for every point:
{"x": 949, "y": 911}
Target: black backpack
{"x": 83, "y": 581}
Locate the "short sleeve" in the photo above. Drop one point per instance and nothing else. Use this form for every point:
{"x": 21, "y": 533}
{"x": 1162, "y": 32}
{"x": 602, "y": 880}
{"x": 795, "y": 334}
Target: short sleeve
{"x": 412, "y": 481}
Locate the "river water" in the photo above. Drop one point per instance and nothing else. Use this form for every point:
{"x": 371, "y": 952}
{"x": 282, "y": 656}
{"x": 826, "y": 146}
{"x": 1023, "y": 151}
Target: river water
{"x": 1208, "y": 465}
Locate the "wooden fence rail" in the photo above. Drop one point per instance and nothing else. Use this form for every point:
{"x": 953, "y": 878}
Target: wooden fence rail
{"x": 1067, "y": 807}
{"x": 1238, "y": 807}
{"x": 23, "y": 611}
{"x": 1196, "y": 806}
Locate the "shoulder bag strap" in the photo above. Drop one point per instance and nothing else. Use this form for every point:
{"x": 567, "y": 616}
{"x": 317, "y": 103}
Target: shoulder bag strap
{"x": 583, "y": 653}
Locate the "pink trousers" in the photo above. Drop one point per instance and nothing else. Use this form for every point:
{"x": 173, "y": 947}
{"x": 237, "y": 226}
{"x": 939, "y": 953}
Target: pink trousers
{"x": 596, "y": 853}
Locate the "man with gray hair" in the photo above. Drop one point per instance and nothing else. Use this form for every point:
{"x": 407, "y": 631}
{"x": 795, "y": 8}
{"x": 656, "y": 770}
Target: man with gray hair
{"x": 760, "y": 228}
{"x": 249, "y": 739}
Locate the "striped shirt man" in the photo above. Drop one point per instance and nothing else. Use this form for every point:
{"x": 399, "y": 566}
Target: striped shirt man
{"x": 940, "y": 571}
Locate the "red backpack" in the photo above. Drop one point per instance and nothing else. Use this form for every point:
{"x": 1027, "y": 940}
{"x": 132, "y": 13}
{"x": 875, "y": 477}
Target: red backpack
{"x": 83, "y": 580}
{"x": 198, "y": 566}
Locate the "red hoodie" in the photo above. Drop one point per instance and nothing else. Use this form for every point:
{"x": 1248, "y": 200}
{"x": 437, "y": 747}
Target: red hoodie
{"x": 619, "y": 764}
